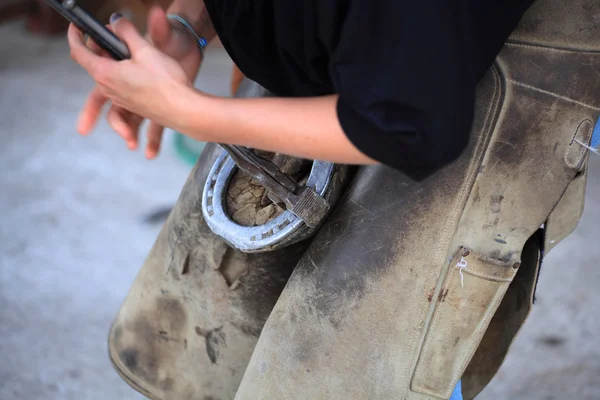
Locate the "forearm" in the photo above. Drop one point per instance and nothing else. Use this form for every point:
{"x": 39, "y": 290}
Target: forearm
{"x": 195, "y": 12}
{"x": 307, "y": 128}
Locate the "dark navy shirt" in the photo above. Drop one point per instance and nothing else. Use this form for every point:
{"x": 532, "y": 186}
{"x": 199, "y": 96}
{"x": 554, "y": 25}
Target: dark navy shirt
{"x": 405, "y": 71}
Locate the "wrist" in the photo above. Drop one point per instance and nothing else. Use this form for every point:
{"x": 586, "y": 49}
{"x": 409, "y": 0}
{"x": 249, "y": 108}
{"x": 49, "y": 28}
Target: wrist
{"x": 191, "y": 113}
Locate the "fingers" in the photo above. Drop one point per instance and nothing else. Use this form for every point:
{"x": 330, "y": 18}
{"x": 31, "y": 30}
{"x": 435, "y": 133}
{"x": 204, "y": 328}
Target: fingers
{"x": 82, "y": 54}
{"x": 95, "y": 48}
{"x": 126, "y": 124}
{"x": 159, "y": 29}
{"x": 124, "y": 29}
{"x": 155, "y": 133}
{"x": 173, "y": 42}
{"x": 91, "y": 112}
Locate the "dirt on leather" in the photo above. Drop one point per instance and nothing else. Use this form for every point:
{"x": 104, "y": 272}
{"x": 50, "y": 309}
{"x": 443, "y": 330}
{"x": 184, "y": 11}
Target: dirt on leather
{"x": 247, "y": 201}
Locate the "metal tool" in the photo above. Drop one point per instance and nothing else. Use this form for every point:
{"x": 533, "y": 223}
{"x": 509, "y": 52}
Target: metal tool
{"x": 302, "y": 201}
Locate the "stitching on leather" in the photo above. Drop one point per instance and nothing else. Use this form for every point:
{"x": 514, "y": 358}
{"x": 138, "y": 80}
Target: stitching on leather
{"x": 582, "y": 201}
{"x": 556, "y": 95}
{"x": 477, "y": 332}
{"x": 582, "y": 150}
{"x": 552, "y": 48}
{"x": 589, "y": 133}
{"x": 487, "y": 316}
{"x": 494, "y": 109}
{"x": 486, "y": 276}
{"x": 448, "y": 279}
{"x": 497, "y": 111}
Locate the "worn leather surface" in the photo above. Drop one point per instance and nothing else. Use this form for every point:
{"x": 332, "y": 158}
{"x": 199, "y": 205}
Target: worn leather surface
{"x": 563, "y": 220}
{"x": 193, "y": 315}
{"x": 190, "y": 322}
{"x": 506, "y": 322}
{"x": 375, "y": 309}
{"x": 408, "y": 286}
{"x": 355, "y": 308}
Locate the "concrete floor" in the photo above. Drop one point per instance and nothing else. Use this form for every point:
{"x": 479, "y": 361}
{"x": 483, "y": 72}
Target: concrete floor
{"x": 74, "y": 231}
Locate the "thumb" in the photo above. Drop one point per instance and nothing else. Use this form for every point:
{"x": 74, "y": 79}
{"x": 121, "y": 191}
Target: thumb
{"x": 126, "y": 31}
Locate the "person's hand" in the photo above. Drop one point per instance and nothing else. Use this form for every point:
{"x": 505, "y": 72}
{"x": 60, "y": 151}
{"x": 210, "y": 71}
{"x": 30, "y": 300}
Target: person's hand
{"x": 172, "y": 42}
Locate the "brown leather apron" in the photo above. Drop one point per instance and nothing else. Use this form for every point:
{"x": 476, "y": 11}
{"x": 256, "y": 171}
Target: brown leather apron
{"x": 406, "y": 287}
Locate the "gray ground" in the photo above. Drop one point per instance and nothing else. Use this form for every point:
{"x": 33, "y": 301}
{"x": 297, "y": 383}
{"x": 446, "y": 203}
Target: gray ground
{"x": 73, "y": 234}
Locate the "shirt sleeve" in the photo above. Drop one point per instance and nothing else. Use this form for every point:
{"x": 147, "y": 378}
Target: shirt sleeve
{"x": 406, "y": 75}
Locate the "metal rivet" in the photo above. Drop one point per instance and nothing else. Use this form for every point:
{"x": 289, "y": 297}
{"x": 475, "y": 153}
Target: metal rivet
{"x": 516, "y": 265}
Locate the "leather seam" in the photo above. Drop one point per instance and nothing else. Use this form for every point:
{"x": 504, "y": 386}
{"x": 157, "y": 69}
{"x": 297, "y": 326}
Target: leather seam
{"x": 502, "y": 288}
{"x": 556, "y": 95}
{"x": 487, "y": 277}
{"x": 552, "y": 48}
{"x": 494, "y": 109}
{"x": 583, "y": 151}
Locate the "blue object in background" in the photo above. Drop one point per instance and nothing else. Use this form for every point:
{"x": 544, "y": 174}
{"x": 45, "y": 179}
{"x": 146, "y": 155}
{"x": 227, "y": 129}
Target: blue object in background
{"x": 457, "y": 394}
{"x": 595, "y": 142}
{"x": 187, "y": 149}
